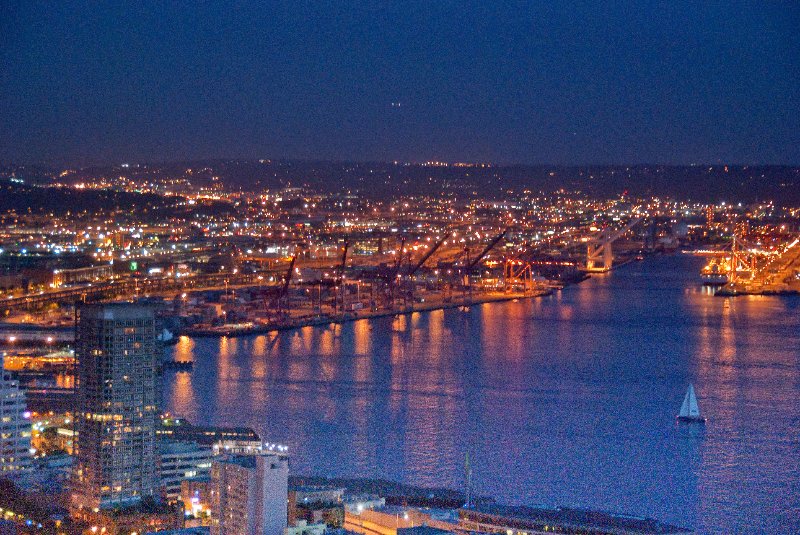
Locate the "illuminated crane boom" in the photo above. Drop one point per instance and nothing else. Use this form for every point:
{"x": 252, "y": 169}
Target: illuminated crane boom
{"x": 287, "y": 279}
{"x": 398, "y": 260}
{"x": 428, "y": 254}
{"x": 342, "y": 267}
{"x": 485, "y": 251}
{"x": 345, "y": 247}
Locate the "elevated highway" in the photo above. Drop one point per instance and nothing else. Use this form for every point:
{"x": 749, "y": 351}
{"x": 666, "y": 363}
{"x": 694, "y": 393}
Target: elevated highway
{"x": 135, "y": 287}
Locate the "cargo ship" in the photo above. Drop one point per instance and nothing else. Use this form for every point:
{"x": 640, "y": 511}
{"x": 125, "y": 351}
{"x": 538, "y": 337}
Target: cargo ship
{"x": 714, "y": 275}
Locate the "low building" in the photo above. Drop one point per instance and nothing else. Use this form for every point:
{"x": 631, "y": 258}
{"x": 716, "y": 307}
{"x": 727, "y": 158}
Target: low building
{"x": 249, "y": 494}
{"x": 238, "y": 447}
{"x": 64, "y": 439}
{"x": 355, "y": 503}
{"x": 182, "y": 460}
{"x": 222, "y": 440}
{"x": 15, "y": 426}
{"x": 142, "y": 517}
{"x": 186, "y": 451}
{"x": 424, "y": 530}
{"x": 180, "y": 430}
{"x": 392, "y": 519}
{"x": 48, "y": 475}
{"x": 184, "y": 531}
{"x": 316, "y": 494}
{"x": 316, "y": 504}
{"x": 302, "y": 527}
{"x": 62, "y": 277}
{"x": 535, "y": 520}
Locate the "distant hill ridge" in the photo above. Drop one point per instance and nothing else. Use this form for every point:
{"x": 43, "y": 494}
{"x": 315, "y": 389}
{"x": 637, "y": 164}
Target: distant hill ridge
{"x": 701, "y": 183}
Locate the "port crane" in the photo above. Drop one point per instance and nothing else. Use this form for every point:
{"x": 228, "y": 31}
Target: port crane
{"x": 778, "y": 269}
{"x": 750, "y": 272}
{"x": 474, "y": 262}
{"x": 282, "y": 297}
{"x": 394, "y": 273}
{"x": 518, "y": 274}
{"x": 341, "y": 278}
{"x": 519, "y": 270}
{"x": 429, "y": 253}
{"x": 398, "y": 261}
{"x": 471, "y": 264}
{"x": 600, "y": 250}
{"x": 742, "y": 266}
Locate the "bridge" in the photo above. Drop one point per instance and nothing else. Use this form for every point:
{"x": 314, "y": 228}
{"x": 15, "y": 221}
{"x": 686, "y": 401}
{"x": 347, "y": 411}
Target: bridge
{"x": 599, "y": 250}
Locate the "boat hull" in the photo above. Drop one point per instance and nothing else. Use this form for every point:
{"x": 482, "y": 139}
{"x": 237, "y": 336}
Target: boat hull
{"x": 714, "y": 279}
{"x": 690, "y": 419}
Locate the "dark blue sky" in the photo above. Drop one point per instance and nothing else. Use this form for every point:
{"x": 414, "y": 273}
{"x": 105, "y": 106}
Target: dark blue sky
{"x": 526, "y": 82}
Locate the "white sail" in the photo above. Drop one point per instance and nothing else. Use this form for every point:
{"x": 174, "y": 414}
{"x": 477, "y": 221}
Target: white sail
{"x": 689, "y": 409}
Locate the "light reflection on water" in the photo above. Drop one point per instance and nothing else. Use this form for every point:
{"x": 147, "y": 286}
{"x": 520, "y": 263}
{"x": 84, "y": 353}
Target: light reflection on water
{"x": 568, "y": 400}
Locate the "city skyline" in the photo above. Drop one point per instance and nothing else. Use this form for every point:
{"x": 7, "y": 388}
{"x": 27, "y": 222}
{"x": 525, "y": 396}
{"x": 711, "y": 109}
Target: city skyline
{"x": 386, "y": 335}
{"x": 399, "y": 267}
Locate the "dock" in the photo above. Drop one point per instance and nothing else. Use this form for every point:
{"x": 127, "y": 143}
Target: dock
{"x": 249, "y": 329}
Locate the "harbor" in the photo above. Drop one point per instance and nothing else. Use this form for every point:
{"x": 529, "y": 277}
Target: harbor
{"x": 538, "y": 383}
{"x": 745, "y": 268}
{"x": 247, "y": 329}
{"x": 383, "y": 268}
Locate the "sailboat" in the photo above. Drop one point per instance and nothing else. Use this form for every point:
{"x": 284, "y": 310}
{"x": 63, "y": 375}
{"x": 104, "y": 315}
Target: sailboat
{"x": 690, "y": 412}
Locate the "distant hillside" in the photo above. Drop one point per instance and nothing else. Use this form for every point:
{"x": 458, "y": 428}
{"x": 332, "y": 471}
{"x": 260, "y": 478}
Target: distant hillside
{"x": 705, "y": 183}
{"x": 60, "y": 201}
{"x": 57, "y": 201}
{"x": 695, "y": 183}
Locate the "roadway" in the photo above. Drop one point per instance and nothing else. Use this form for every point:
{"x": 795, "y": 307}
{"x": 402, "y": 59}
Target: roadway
{"x": 135, "y": 287}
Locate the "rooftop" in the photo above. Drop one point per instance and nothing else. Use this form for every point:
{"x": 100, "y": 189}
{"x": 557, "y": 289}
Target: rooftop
{"x": 602, "y": 521}
{"x": 116, "y": 311}
{"x": 422, "y": 530}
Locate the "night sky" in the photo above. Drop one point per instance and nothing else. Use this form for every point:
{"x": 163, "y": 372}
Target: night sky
{"x": 646, "y": 82}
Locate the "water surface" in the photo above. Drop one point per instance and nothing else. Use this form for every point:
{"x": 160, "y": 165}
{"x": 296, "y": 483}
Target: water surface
{"x": 564, "y": 400}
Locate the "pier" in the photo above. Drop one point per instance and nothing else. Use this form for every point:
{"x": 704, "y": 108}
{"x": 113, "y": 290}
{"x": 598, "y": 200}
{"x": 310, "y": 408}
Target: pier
{"x": 751, "y": 271}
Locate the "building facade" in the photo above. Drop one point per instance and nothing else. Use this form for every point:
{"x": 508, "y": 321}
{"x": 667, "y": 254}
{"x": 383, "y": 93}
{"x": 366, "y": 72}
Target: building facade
{"x": 249, "y": 494}
{"x": 15, "y": 426}
{"x": 116, "y": 460}
{"x": 180, "y": 460}
{"x": 302, "y": 527}
{"x": 316, "y": 504}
